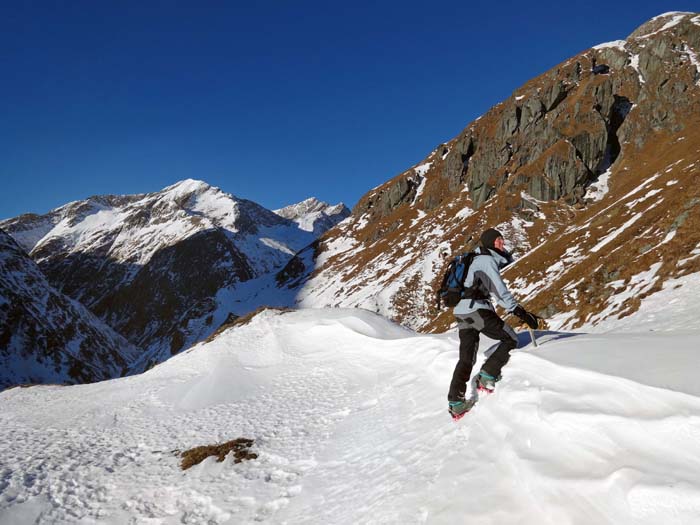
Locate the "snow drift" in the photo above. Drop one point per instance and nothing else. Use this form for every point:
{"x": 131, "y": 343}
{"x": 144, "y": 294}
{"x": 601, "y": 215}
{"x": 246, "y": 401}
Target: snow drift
{"x": 348, "y": 413}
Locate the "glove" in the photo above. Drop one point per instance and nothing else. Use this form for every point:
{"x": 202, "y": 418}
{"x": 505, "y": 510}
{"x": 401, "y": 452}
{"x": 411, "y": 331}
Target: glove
{"x": 531, "y": 320}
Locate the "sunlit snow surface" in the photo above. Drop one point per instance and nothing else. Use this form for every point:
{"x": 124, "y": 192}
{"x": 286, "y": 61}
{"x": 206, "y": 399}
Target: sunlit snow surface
{"x": 349, "y": 416}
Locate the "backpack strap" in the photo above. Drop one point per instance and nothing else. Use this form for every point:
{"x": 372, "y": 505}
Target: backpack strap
{"x": 443, "y": 285}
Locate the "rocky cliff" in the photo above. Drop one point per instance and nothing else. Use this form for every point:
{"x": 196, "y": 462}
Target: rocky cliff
{"x": 589, "y": 169}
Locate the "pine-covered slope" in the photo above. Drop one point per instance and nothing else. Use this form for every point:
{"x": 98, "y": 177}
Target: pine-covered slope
{"x": 46, "y": 337}
{"x": 155, "y": 266}
{"x": 590, "y": 170}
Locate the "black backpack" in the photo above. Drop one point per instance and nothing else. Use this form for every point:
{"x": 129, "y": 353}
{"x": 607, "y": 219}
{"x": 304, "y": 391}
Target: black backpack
{"x": 452, "y": 289}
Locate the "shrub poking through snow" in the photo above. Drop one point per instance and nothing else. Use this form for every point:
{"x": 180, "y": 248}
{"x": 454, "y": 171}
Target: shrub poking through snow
{"x": 240, "y": 448}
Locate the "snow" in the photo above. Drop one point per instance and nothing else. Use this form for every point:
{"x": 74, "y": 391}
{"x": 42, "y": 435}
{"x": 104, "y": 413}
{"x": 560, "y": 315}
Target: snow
{"x": 693, "y": 57}
{"x": 638, "y": 284}
{"x": 615, "y": 233}
{"x": 419, "y": 191}
{"x": 639, "y": 188}
{"x": 672, "y": 310}
{"x": 29, "y": 238}
{"x": 615, "y": 44}
{"x": 464, "y": 213}
{"x": 670, "y": 235}
{"x": 348, "y": 413}
{"x": 313, "y": 215}
{"x": 676, "y": 18}
{"x": 694, "y": 254}
{"x": 422, "y": 169}
{"x": 644, "y": 198}
{"x": 419, "y": 218}
{"x": 634, "y": 64}
{"x": 600, "y": 188}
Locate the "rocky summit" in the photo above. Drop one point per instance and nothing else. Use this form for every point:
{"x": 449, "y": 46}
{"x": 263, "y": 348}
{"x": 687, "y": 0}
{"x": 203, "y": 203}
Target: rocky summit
{"x": 589, "y": 169}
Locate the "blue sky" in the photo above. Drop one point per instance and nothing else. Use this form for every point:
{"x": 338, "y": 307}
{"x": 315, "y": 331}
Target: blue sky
{"x": 271, "y": 101}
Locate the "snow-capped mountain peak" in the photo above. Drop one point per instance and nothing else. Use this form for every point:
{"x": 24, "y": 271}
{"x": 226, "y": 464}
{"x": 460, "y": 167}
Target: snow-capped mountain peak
{"x": 187, "y": 186}
{"x": 171, "y": 251}
{"x": 314, "y": 215}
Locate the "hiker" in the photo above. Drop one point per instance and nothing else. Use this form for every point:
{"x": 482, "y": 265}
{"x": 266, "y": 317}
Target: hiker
{"x": 476, "y": 314}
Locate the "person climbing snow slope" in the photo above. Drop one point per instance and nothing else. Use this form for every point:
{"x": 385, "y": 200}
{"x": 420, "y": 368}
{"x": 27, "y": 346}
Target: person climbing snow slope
{"x": 475, "y": 315}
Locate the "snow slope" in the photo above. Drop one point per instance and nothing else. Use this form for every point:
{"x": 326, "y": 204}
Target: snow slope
{"x": 348, "y": 412}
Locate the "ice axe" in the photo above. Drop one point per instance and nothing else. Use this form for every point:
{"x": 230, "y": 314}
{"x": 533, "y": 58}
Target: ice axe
{"x": 532, "y": 336}
{"x": 542, "y": 325}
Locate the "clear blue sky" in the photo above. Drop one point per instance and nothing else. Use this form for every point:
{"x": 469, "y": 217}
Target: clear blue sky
{"x": 272, "y": 101}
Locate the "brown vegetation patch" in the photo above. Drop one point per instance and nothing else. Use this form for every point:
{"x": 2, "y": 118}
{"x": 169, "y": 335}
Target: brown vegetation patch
{"x": 240, "y": 448}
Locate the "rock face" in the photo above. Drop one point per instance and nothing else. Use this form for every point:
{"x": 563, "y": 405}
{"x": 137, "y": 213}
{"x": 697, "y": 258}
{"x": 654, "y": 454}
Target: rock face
{"x": 47, "y": 337}
{"x": 163, "y": 269}
{"x": 593, "y": 163}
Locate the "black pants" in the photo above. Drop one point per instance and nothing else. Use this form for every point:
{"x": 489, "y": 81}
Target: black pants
{"x": 470, "y": 326}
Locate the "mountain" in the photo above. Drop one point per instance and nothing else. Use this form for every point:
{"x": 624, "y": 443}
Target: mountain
{"x": 315, "y": 216}
{"x": 348, "y": 416}
{"x": 46, "y": 336}
{"x": 163, "y": 268}
{"x": 590, "y": 170}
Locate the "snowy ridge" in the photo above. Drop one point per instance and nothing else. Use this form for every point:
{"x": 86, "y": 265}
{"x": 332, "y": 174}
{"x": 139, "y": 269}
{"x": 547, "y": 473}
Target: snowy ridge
{"x": 138, "y": 226}
{"x": 153, "y": 266}
{"x": 313, "y": 215}
{"x": 357, "y": 431}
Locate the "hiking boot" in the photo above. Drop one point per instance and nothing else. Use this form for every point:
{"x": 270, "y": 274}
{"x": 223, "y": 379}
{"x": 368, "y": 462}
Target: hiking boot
{"x": 485, "y": 382}
{"x": 457, "y": 409}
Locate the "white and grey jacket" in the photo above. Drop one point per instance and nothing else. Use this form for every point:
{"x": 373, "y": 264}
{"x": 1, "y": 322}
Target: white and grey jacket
{"x": 485, "y": 272}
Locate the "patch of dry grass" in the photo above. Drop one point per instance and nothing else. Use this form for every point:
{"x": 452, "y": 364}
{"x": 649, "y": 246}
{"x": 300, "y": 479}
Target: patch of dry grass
{"x": 240, "y": 448}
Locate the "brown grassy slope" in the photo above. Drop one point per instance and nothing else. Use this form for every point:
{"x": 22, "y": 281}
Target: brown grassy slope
{"x": 549, "y": 139}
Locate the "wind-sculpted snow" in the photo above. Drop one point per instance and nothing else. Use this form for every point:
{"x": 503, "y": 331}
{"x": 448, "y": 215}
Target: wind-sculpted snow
{"x": 348, "y": 414}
